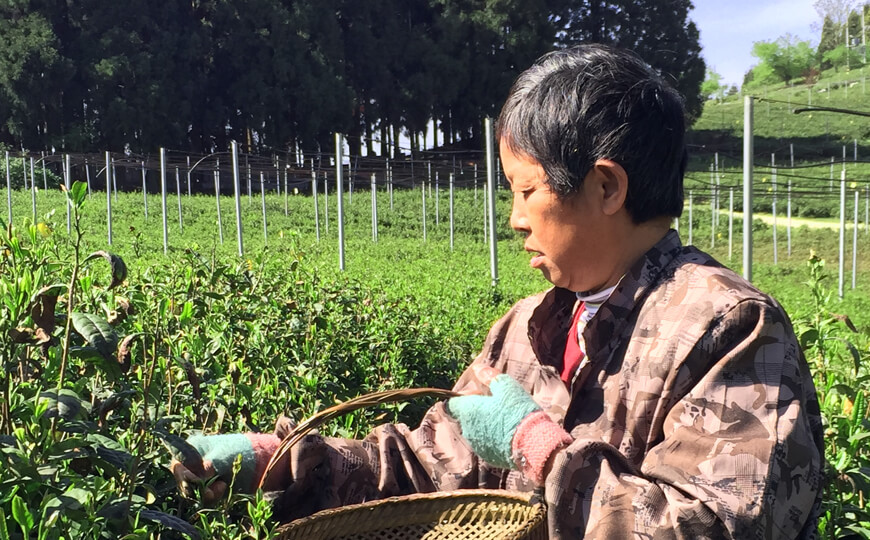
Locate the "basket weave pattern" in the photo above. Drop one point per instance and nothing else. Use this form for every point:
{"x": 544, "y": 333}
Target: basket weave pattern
{"x": 477, "y": 514}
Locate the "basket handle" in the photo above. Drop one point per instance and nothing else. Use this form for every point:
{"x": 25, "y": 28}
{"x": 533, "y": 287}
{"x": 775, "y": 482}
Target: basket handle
{"x": 360, "y": 402}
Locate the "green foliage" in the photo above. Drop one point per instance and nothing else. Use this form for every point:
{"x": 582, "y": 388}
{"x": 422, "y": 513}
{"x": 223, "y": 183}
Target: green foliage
{"x": 665, "y": 38}
{"x": 837, "y": 351}
{"x": 712, "y": 87}
{"x": 19, "y": 168}
{"x": 785, "y": 59}
{"x": 280, "y": 75}
{"x": 102, "y": 364}
{"x": 841, "y": 57}
{"x": 204, "y": 340}
{"x": 827, "y": 43}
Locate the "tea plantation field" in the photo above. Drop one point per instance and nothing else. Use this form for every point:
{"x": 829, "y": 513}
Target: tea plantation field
{"x": 109, "y": 358}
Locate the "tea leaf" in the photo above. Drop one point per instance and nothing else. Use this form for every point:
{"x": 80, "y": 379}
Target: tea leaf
{"x": 119, "y": 268}
{"x": 4, "y": 532}
{"x": 77, "y": 194}
{"x": 22, "y": 515}
{"x": 97, "y": 332}
{"x": 171, "y": 522}
{"x": 856, "y": 356}
{"x": 67, "y": 404}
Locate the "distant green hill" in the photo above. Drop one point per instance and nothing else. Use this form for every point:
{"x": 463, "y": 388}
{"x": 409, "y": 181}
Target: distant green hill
{"x": 815, "y": 136}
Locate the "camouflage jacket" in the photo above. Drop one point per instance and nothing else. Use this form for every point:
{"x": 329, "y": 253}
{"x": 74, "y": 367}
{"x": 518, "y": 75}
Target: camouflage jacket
{"x": 693, "y": 415}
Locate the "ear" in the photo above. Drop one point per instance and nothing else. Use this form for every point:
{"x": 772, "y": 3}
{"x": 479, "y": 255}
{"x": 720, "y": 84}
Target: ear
{"x": 613, "y": 182}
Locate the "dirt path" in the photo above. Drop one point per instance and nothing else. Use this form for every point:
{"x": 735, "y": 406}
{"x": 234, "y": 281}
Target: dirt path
{"x": 782, "y": 221}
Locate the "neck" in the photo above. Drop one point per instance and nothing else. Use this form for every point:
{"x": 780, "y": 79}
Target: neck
{"x": 636, "y": 240}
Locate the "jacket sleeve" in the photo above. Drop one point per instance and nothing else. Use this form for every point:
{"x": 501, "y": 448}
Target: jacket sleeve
{"x": 393, "y": 459}
{"x": 739, "y": 454}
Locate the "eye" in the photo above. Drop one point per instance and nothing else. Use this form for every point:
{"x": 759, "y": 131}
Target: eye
{"x": 525, "y": 192}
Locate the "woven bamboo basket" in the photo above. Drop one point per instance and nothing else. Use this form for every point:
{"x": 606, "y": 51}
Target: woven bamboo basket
{"x": 478, "y": 514}
{"x": 447, "y": 515}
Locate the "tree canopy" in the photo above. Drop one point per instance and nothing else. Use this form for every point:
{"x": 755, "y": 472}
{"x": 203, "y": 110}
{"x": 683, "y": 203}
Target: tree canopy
{"x": 279, "y": 74}
{"x": 782, "y": 60}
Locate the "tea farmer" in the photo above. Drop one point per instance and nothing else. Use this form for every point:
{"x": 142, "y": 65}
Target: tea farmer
{"x": 652, "y": 392}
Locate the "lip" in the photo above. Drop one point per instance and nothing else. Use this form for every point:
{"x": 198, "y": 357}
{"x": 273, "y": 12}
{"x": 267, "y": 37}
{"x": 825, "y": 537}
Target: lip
{"x": 537, "y": 259}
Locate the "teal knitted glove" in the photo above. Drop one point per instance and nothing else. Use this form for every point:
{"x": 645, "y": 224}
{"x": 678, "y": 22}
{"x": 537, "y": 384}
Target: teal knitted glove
{"x": 489, "y": 422}
{"x": 221, "y": 451}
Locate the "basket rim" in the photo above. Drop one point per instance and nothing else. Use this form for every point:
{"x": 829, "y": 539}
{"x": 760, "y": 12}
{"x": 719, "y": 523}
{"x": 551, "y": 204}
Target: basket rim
{"x": 509, "y": 496}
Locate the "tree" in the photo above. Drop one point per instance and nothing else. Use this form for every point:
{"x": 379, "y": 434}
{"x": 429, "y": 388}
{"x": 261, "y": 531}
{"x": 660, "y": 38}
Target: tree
{"x": 828, "y": 42}
{"x": 33, "y": 73}
{"x": 712, "y": 87}
{"x": 837, "y": 11}
{"x": 785, "y": 59}
{"x": 661, "y": 34}
{"x": 841, "y": 56}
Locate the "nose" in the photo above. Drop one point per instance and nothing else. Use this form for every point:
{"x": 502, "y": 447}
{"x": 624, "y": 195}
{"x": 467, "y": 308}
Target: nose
{"x": 518, "y": 219}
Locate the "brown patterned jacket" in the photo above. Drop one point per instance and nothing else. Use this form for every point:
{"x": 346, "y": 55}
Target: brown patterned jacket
{"x": 693, "y": 416}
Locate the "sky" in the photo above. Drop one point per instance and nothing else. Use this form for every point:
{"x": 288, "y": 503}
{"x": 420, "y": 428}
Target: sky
{"x": 729, "y": 27}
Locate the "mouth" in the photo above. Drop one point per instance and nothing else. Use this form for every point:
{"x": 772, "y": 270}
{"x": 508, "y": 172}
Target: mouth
{"x": 537, "y": 259}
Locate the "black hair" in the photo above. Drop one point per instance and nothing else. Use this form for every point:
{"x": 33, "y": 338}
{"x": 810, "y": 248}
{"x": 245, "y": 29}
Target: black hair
{"x": 578, "y": 105}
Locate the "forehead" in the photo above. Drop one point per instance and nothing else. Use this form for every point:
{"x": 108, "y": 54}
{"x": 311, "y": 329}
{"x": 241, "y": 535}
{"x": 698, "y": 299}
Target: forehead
{"x": 519, "y": 167}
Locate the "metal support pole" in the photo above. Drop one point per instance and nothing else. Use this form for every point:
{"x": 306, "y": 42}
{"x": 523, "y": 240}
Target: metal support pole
{"x": 423, "y": 213}
{"x": 712, "y": 207}
{"x": 87, "y": 176}
{"x": 339, "y": 195}
{"x": 842, "y": 251}
{"x": 144, "y": 191}
{"x": 490, "y": 188}
{"x": 237, "y": 193}
{"x": 374, "y": 209}
{"x": 8, "y": 188}
{"x": 788, "y": 221}
{"x": 263, "y": 204}
{"x": 67, "y": 183}
{"x": 217, "y": 200}
{"x": 747, "y": 187}
{"x": 855, "y": 243}
{"x": 325, "y": 204}
{"x": 109, "y": 181}
{"x": 390, "y": 180}
{"x": 437, "y": 203}
{"x": 45, "y": 175}
{"x": 451, "y": 211}
{"x": 775, "y": 246}
{"x": 178, "y": 198}
{"x": 32, "y": 188}
{"x": 730, "y": 223}
{"x": 163, "y": 200}
{"x": 316, "y": 209}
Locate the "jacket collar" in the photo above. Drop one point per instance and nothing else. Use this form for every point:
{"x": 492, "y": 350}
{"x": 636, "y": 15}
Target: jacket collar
{"x": 604, "y": 331}
{"x": 549, "y": 323}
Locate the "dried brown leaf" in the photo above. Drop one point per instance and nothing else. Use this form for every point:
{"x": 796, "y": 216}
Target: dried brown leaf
{"x": 42, "y": 313}
{"x": 125, "y": 352}
{"x": 22, "y": 335}
{"x": 845, "y": 320}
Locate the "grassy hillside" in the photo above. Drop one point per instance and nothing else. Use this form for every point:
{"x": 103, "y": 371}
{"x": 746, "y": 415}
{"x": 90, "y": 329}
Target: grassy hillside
{"x": 815, "y": 137}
